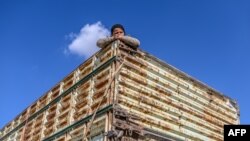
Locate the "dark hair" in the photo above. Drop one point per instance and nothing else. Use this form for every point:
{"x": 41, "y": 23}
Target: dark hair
{"x": 117, "y": 26}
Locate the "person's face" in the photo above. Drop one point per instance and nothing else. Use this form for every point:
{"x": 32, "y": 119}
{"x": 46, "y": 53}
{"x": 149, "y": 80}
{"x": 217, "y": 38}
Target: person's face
{"x": 118, "y": 32}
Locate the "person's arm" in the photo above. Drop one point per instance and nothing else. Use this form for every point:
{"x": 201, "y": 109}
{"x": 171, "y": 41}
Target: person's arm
{"x": 133, "y": 42}
{"x": 104, "y": 42}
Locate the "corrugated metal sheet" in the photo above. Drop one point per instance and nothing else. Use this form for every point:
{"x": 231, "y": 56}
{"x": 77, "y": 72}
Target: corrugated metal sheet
{"x": 155, "y": 102}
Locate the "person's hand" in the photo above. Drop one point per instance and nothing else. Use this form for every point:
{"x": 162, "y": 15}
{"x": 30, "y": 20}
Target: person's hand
{"x": 116, "y": 36}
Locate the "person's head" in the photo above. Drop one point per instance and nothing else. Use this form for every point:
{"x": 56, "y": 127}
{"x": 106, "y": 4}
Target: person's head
{"x": 117, "y": 30}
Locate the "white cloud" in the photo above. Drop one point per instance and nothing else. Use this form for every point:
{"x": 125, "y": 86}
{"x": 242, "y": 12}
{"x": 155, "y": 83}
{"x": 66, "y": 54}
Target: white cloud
{"x": 84, "y": 43}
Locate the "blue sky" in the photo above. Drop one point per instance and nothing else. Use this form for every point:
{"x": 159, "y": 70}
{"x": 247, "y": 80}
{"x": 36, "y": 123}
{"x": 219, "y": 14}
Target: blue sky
{"x": 209, "y": 40}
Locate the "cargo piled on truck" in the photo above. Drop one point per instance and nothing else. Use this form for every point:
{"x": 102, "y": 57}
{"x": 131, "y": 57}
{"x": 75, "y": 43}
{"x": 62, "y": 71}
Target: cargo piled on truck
{"x": 124, "y": 94}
